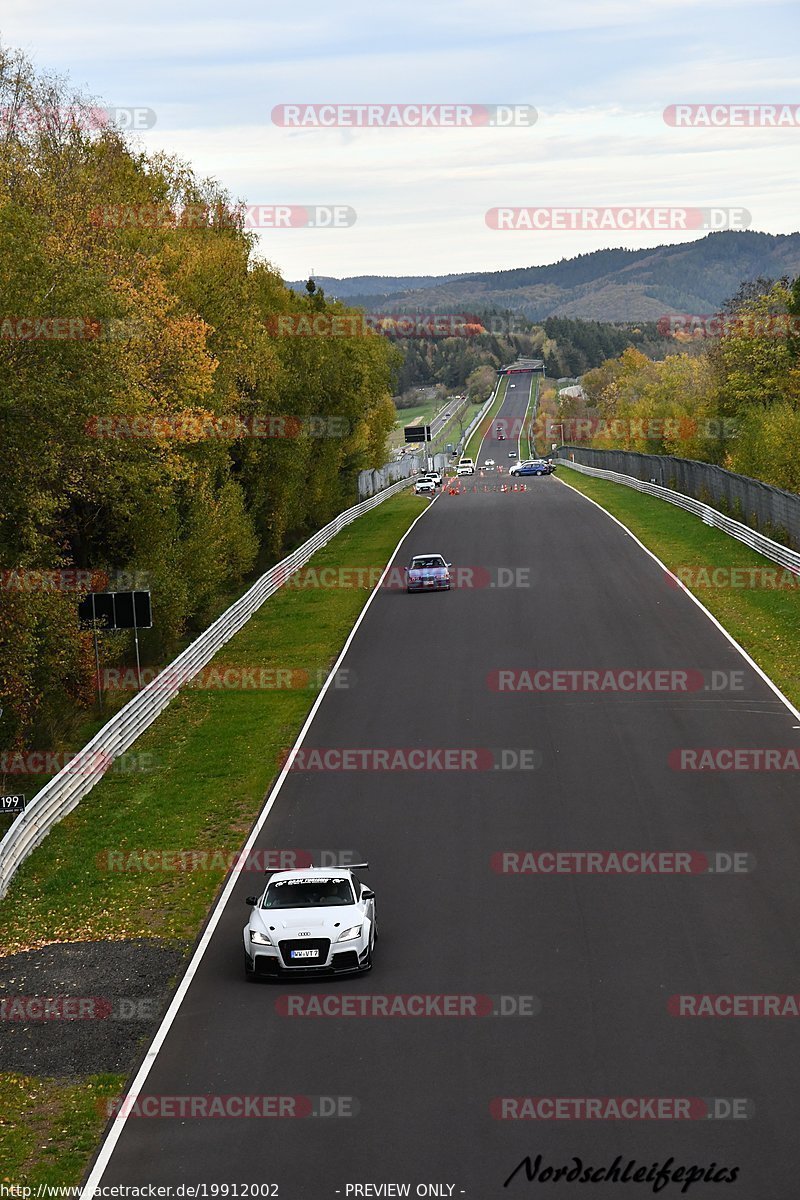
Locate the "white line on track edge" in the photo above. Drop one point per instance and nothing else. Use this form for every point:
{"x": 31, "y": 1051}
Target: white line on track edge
{"x": 115, "y": 1132}
{"x": 682, "y": 587}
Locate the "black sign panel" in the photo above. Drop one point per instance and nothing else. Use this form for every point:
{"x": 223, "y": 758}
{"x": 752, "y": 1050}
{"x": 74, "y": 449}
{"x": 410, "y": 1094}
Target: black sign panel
{"x": 417, "y": 433}
{"x": 117, "y": 610}
{"x": 97, "y": 606}
{"x": 133, "y": 610}
{"x": 12, "y": 804}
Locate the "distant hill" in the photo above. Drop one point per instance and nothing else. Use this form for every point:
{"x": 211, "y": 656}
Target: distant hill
{"x": 605, "y": 285}
{"x": 378, "y": 285}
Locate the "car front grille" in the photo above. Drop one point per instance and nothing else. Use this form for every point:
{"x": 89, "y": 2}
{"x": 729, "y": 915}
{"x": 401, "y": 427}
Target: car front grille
{"x": 322, "y": 945}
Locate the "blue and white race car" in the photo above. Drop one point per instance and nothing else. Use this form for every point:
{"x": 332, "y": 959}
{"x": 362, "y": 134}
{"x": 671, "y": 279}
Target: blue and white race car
{"x": 311, "y": 920}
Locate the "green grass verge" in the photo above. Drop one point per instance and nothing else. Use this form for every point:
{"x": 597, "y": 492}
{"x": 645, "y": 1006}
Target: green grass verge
{"x": 63, "y": 1122}
{"x": 764, "y": 620}
{"x": 418, "y": 413}
{"x": 207, "y": 763}
{"x": 526, "y": 448}
{"x": 474, "y": 444}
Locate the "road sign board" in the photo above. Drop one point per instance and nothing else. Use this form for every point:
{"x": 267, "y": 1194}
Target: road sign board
{"x": 117, "y": 610}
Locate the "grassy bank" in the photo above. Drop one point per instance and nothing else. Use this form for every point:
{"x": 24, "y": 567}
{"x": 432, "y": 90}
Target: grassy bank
{"x": 763, "y": 619}
{"x": 62, "y": 1123}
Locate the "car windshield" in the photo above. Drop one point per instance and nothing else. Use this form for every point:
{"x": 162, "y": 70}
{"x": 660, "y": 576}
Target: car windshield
{"x": 308, "y": 893}
{"x": 427, "y": 561}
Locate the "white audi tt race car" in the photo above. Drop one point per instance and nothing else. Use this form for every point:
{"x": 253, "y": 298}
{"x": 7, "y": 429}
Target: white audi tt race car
{"x": 312, "y": 920}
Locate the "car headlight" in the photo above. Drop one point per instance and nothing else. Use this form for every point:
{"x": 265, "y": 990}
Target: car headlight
{"x": 349, "y": 935}
{"x": 260, "y": 939}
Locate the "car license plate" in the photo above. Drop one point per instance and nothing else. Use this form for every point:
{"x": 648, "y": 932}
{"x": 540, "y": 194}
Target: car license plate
{"x": 304, "y": 954}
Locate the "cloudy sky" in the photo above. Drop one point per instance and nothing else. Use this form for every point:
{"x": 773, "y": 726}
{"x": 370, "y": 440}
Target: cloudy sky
{"x": 598, "y": 72}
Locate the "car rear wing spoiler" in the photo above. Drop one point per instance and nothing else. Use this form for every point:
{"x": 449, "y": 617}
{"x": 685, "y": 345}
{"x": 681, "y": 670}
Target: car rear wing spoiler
{"x": 344, "y": 867}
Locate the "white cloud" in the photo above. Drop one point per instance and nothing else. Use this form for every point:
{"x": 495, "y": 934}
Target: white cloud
{"x": 600, "y": 75}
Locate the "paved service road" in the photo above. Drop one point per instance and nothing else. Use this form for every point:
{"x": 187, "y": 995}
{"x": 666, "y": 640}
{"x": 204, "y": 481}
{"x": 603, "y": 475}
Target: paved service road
{"x": 556, "y": 585}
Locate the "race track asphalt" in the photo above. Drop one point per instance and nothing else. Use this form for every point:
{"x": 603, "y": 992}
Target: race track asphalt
{"x": 546, "y": 582}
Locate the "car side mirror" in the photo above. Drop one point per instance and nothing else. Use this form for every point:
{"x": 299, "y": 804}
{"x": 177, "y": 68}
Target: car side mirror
{"x": 367, "y": 894}
{"x": 252, "y": 901}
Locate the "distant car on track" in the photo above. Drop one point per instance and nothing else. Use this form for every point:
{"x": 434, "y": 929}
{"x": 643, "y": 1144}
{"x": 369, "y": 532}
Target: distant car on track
{"x": 311, "y": 920}
{"x": 428, "y": 573}
{"x": 489, "y": 464}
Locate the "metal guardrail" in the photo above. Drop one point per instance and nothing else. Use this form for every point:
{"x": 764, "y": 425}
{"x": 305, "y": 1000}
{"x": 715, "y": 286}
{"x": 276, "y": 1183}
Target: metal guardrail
{"x": 789, "y": 559}
{"x": 770, "y": 510}
{"x": 74, "y": 781}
